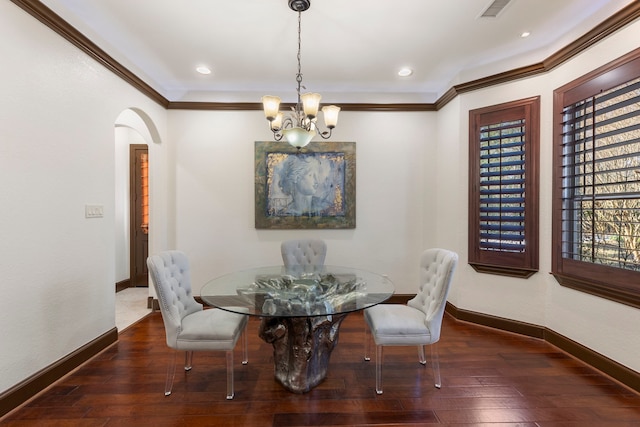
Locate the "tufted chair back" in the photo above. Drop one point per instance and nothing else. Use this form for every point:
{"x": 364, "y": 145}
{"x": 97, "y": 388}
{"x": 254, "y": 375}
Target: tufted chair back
{"x": 172, "y": 282}
{"x": 436, "y": 269}
{"x": 303, "y": 252}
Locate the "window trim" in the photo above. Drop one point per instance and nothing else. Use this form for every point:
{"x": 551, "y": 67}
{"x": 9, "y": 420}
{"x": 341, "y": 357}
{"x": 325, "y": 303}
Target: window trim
{"x": 607, "y": 282}
{"x": 525, "y": 264}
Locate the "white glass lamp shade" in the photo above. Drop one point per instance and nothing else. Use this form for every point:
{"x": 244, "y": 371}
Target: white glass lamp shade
{"x": 311, "y": 104}
{"x": 330, "y": 115}
{"x": 276, "y": 124}
{"x": 298, "y": 137}
{"x": 271, "y": 105}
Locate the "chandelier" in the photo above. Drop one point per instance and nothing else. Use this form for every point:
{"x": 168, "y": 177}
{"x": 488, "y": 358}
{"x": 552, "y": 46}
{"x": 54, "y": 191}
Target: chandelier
{"x": 300, "y": 125}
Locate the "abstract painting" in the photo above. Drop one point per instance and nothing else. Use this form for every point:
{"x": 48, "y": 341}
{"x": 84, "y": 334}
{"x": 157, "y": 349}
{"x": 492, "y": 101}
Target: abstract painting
{"x": 313, "y": 187}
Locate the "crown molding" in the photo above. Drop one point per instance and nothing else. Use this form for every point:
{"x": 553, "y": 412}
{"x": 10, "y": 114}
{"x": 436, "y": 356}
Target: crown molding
{"x": 251, "y": 106}
{"x": 609, "y": 26}
{"x": 45, "y": 15}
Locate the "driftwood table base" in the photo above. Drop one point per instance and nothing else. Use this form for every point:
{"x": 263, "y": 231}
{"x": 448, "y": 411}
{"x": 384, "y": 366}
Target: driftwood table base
{"x": 302, "y": 348}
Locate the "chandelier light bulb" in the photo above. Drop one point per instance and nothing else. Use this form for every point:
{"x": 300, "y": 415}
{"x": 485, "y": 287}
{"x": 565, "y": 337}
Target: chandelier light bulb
{"x": 311, "y": 104}
{"x": 276, "y": 124}
{"x": 271, "y": 105}
{"x": 330, "y": 115}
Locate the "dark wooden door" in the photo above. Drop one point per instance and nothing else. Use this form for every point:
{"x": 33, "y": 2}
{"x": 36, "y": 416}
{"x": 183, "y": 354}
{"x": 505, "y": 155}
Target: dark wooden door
{"x": 139, "y": 203}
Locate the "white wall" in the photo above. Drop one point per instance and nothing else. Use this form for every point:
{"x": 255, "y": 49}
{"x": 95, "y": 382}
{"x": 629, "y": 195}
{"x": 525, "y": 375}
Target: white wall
{"x": 121, "y": 207}
{"x": 56, "y": 155}
{"x": 214, "y": 155}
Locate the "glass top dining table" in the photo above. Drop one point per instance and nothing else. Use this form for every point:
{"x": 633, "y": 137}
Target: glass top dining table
{"x": 303, "y": 291}
{"x": 300, "y": 312}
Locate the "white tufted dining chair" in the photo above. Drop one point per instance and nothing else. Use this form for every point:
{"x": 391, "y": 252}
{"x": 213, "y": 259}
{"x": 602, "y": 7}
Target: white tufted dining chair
{"x": 309, "y": 252}
{"x": 187, "y": 325}
{"x": 420, "y": 320}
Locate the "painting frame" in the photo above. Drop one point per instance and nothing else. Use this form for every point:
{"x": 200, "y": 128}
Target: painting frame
{"x": 340, "y": 157}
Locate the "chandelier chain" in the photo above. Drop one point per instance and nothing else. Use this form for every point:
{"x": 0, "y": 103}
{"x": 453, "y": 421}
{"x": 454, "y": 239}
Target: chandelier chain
{"x": 299, "y": 75}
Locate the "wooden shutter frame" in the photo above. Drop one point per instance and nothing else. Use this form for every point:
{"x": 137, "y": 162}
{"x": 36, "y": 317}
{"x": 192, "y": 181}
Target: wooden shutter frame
{"x": 524, "y": 264}
{"x": 611, "y": 283}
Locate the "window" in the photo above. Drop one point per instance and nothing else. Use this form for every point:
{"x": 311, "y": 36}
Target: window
{"x": 144, "y": 182}
{"x": 503, "y": 188}
{"x": 596, "y": 201}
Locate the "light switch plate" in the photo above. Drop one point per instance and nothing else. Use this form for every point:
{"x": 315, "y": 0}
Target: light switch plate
{"x": 93, "y": 211}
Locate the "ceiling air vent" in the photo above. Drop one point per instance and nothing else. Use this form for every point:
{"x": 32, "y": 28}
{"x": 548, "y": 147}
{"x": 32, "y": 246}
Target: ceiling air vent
{"x": 494, "y": 9}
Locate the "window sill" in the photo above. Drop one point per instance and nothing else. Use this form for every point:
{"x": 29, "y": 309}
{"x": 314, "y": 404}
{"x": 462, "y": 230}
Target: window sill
{"x": 502, "y": 270}
{"x": 622, "y": 296}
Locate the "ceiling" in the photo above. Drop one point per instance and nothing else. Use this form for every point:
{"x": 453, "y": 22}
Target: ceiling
{"x": 351, "y": 49}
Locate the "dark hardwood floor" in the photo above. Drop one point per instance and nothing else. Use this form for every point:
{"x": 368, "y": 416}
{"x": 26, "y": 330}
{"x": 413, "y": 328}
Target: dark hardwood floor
{"x": 489, "y": 378}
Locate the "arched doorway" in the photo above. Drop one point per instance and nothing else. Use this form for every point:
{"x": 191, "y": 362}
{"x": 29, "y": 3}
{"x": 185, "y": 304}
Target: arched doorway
{"x": 134, "y": 134}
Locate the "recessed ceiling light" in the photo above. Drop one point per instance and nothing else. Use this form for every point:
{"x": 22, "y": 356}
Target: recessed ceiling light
{"x": 525, "y": 34}
{"x": 203, "y": 70}
{"x": 405, "y": 72}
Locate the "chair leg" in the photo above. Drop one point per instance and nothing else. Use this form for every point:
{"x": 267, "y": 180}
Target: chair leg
{"x": 230, "y": 374}
{"x": 367, "y": 342}
{"x": 421, "y": 358}
{"x": 171, "y": 371}
{"x": 379, "y": 355}
{"x": 188, "y": 360}
{"x": 436, "y": 365}
{"x": 245, "y": 353}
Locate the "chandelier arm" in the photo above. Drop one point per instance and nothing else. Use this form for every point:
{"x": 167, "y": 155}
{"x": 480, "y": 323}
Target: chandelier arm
{"x": 322, "y": 135}
{"x": 288, "y": 123}
{"x": 326, "y": 134}
{"x": 277, "y": 134}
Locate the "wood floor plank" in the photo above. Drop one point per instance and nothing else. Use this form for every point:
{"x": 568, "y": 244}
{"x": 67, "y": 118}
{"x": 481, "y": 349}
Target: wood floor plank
{"x": 489, "y": 378}
{"x": 354, "y": 418}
